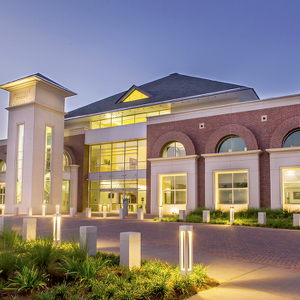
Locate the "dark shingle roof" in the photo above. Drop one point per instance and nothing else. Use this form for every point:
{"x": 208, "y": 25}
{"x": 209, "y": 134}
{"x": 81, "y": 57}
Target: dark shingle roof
{"x": 174, "y": 86}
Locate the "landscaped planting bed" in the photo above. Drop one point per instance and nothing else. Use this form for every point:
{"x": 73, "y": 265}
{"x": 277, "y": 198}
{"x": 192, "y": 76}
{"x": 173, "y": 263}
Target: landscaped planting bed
{"x": 40, "y": 270}
{"x": 276, "y": 218}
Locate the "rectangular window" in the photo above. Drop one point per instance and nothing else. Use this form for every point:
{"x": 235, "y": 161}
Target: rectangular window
{"x": 2, "y": 193}
{"x": 20, "y": 163}
{"x": 291, "y": 185}
{"x": 174, "y": 189}
{"x": 65, "y": 196}
{"x": 232, "y": 187}
{"x": 48, "y": 157}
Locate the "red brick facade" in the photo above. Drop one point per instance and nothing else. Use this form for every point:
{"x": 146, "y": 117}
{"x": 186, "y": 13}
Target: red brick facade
{"x": 248, "y": 125}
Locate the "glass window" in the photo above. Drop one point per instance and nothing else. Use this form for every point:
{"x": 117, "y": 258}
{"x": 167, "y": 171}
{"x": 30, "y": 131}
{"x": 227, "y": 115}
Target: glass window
{"x": 232, "y": 187}
{"x": 174, "y": 189}
{"x": 48, "y": 162}
{"x": 20, "y": 162}
{"x": 292, "y": 140}
{"x": 174, "y": 149}
{"x": 2, "y": 193}
{"x": 232, "y": 144}
{"x": 291, "y": 185}
{"x": 2, "y": 166}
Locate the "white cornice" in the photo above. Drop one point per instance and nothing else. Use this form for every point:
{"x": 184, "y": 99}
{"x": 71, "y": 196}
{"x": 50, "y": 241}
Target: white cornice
{"x": 231, "y": 153}
{"x": 75, "y": 131}
{"x": 283, "y": 149}
{"x": 173, "y": 158}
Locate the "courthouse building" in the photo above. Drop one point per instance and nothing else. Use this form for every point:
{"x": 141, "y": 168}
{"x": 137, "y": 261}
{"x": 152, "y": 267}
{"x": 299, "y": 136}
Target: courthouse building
{"x": 179, "y": 141}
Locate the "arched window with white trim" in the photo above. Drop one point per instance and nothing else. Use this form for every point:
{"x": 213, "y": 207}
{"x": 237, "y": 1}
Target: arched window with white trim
{"x": 232, "y": 144}
{"x": 174, "y": 149}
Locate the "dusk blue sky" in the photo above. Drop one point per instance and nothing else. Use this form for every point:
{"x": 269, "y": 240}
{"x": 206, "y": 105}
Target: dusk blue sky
{"x": 99, "y": 48}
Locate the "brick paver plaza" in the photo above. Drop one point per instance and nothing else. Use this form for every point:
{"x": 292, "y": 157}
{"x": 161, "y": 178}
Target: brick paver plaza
{"x": 266, "y": 246}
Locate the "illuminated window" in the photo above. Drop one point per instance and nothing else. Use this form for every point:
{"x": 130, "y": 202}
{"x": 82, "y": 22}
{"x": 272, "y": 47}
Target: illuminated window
{"x": 292, "y": 140}
{"x": 65, "y": 195}
{"x": 117, "y": 119}
{"x": 118, "y": 156}
{"x": 232, "y": 187}
{"x": 291, "y": 185}
{"x": 48, "y": 156}
{"x": 20, "y": 163}
{"x": 66, "y": 161}
{"x": 232, "y": 144}
{"x": 174, "y": 149}
{"x": 174, "y": 189}
{"x": 2, "y": 193}
{"x": 2, "y": 166}
{"x": 135, "y": 95}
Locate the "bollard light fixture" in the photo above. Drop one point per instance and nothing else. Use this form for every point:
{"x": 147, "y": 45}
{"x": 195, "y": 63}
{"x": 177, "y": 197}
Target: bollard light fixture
{"x": 100, "y": 207}
{"x": 57, "y": 209}
{"x": 43, "y": 210}
{"x": 104, "y": 211}
{"x": 57, "y": 229}
{"x": 231, "y": 215}
{"x": 160, "y": 212}
{"x": 3, "y": 209}
{"x": 186, "y": 249}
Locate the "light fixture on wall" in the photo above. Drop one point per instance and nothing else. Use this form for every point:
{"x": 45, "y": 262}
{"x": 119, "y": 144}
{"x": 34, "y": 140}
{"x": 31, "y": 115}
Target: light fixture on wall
{"x": 57, "y": 229}
{"x": 186, "y": 249}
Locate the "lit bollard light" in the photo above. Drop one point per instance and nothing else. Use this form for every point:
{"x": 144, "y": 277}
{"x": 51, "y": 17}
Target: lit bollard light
{"x": 29, "y": 229}
{"x": 121, "y": 213}
{"x": 57, "y": 229}
{"x": 130, "y": 249}
{"x": 140, "y": 214}
{"x": 182, "y": 214}
{"x": 3, "y": 210}
{"x": 88, "y": 212}
{"x": 44, "y": 210}
{"x": 72, "y": 212}
{"x": 57, "y": 209}
{"x": 262, "y": 218}
{"x": 296, "y": 220}
{"x": 186, "y": 249}
{"x": 29, "y": 211}
{"x": 231, "y": 215}
{"x": 104, "y": 211}
{"x": 16, "y": 211}
{"x": 100, "y": 208}
{"x": 160, "y": 212}
{"x": 206, "y": 216}
{"x": 5, "y": 224}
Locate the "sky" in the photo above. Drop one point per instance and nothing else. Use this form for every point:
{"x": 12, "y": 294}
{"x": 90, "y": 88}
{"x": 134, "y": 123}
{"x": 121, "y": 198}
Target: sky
{"x": 102, "y": 47}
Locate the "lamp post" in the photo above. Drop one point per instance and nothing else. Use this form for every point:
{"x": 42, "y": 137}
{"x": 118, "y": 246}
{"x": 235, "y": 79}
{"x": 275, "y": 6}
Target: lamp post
{"x": 57, "y": 229}
{"x": 186, "y": 249}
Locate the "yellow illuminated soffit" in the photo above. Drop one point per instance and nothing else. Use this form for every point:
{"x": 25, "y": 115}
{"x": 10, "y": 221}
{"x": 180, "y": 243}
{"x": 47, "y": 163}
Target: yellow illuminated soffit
{"x": 135, "y": 95}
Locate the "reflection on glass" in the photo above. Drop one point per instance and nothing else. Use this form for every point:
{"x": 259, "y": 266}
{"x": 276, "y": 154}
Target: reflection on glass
{"x": 292, "y": 140}
{"x": 291, "y": 185}
{"x": 174, "y": 149}
{"x": 232, "y": 144}
{"x": 174, "y": 189}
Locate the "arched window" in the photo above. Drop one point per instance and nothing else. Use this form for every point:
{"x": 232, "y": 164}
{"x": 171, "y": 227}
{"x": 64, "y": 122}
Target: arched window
{"x": 292, "y": 139}
{"x": 174, "y": 149}
{"x": 232, "y": 144}
{"x": 66, "y": 160}
{"x": 2, "y": 166}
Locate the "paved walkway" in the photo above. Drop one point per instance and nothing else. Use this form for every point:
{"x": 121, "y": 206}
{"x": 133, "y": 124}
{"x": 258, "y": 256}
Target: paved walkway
{"x": 249, "y": 262}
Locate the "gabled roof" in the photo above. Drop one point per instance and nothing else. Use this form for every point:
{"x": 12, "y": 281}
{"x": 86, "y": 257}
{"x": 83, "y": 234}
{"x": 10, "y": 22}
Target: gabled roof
{"x": 172, "y": 87}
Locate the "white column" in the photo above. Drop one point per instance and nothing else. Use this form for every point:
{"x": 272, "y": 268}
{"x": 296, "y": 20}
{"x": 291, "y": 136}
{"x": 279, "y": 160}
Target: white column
{"x": 130, "y": 249}
{"x": 29, "y": 229}
{"x": 262, "y": 218}
{"x": 186, "y": 249}
{"x": 74, "y": 186}
{"x": 206, "y": 216}
{"x": 5, "y": 224}
{"x": 88, "y": 239}
{"x": 182, "y": 215}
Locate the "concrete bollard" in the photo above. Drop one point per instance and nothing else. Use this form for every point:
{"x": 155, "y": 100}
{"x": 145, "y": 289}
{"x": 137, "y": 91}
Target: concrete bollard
{"x": 140, "y": 214}
{"x": 182, "y": 215}
{"x": 104, "y": 211}
{"x": 29, "y": 229}
{"x": 125, "y": 206}
{"x": 43, "y": 210}
{"x": 88, "y": 212}
{"x": 72, "y": 212}
{"x": 121, "y": 213}
{"x": 2, "y": 209}
{"x": 262, "y": 218}
{"x": 16, "y": 211}
{"x": 5, "y": 224}
{"x": 296, "y": 220}
{"x": 29, "y": 211}
{"x": 88, "y": 239}
{"x": 231, "y": 214}
{"x": 130, "y": 249}
{"x": 160, "y": 212}
{"x": 206, "y": 216}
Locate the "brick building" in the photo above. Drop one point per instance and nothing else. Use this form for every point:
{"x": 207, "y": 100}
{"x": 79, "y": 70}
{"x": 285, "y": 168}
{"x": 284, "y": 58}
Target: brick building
{"x": 179, "y": 141}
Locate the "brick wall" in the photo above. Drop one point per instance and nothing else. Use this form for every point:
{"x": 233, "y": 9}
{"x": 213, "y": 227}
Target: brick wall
{"x": 247, "y": 125}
